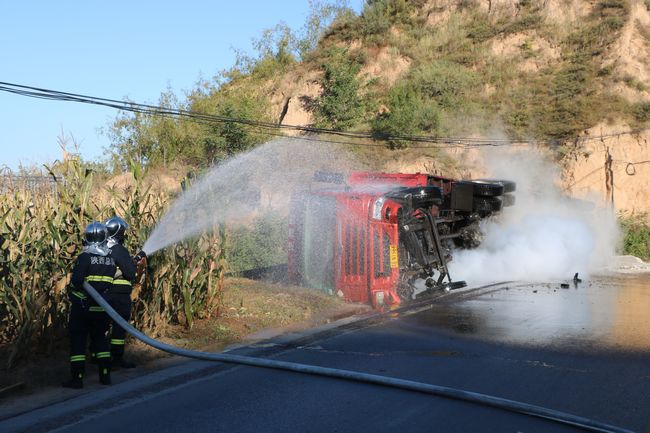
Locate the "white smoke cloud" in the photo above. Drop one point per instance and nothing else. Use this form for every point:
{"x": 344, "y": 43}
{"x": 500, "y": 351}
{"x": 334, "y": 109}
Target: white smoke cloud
{"x": 545, "y": 235}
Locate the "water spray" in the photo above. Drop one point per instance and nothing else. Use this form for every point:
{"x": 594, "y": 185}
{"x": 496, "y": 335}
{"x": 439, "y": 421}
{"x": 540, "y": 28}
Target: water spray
{"x": 237, "y": 188}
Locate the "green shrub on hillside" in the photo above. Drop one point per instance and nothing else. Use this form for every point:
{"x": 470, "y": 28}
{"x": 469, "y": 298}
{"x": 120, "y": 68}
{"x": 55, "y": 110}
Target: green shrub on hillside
{"x": 568, "y": 106}
{"x": 565, "y": 98}
{"x": 409, "y": 113}
{"x": 339, "y": 106}
{"x": 450, "y": 85}
{"x": 322, "y": 16}
{"x": 158, "y": 140}
{"x": 415, "y": 106}
{"x": 483, "y": 28}
{"x": 221, "y": 140}
{"x": 642, "y": 112}
{"x": 276, "y": 50}
{"x": 378, "y": 16}
{"x": 636, "y": 236}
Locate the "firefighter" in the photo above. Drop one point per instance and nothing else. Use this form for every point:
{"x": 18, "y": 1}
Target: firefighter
{"x": 96, "y": 266}
{"x": 119, "y": 295}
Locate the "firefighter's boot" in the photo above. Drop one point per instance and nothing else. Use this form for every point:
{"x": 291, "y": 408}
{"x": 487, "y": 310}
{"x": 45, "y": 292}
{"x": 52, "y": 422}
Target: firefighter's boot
{"x": 104, "y": 372}
{"x": 76, "y": 380}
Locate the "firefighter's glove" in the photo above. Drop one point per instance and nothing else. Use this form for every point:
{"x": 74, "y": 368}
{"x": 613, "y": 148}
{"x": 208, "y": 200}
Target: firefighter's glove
{"x": 139, "y": 257}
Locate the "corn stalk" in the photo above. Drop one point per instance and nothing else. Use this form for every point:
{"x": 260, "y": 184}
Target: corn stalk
{"x": 40, "y": 238}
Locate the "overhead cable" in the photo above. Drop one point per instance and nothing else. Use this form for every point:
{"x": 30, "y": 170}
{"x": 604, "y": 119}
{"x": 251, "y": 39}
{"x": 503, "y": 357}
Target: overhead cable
{"x": 416, "y": 141}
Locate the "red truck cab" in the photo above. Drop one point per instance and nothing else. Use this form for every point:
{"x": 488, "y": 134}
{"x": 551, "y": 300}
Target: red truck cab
{"x": 375, "y": 237}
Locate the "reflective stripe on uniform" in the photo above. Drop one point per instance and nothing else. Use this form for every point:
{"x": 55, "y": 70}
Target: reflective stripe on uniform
{"x": 101, "y": 355}
{"x": 122, "y": 282}
{"x": 77, "y": 358}
{"x": 101, "y": 278}
{"x": 117, "y": 342}
{"x": 96, "y": 309}
{"x": 78, "y": 294}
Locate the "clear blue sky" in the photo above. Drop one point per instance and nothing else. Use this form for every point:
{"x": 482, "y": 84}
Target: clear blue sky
{"x": 117, "y": 49}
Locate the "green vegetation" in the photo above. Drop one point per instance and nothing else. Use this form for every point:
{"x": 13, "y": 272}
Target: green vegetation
{"x": 482, "y": 29}
{"x": 642, "y": 111}
{"x": 40, "y": 238}
{"x": 636, "y": 236}
{"x": 378, "y": 16}
{"x": 415, "y": 106}
{"x": 409, "y": 114}
{"x": 454, "y": 75}
{"x": 462, "y": 72}
{"x": 160, "y": 140}
{"x": 339, "y": 106}
{"x": 239, "y": 92}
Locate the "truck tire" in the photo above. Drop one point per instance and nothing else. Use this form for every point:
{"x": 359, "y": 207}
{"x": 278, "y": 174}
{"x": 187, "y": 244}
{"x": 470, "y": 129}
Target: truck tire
{"x": 507, "y": 200}
{"x": 484, "y": 189}
{"x": 508, "y": 185}
{"x": 486, "y": 205}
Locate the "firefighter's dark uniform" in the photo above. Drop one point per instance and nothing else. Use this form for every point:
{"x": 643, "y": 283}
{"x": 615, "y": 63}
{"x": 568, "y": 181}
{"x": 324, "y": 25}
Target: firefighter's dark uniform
{"x": 119, "y": 296}
{"x": 86, "y": 317}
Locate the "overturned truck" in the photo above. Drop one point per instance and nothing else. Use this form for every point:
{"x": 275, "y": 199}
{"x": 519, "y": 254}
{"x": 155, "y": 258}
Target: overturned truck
{"x": 386, "y": 238}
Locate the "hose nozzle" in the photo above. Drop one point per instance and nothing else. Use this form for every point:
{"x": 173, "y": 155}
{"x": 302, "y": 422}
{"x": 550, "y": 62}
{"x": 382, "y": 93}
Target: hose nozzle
{"x": 139, "y": 257}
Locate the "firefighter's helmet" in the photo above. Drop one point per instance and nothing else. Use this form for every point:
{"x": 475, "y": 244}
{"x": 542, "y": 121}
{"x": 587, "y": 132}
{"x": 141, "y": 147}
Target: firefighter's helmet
{"x": 116, "y": 228}
{"x": 95, "y": 234}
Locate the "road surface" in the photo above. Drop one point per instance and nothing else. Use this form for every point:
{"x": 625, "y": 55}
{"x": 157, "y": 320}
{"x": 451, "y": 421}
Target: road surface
{"x": 583, "y": 350}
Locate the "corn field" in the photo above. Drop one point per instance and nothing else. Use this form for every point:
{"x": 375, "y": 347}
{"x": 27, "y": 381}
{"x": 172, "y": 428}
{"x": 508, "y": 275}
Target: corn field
{"x": 40, "y": 238}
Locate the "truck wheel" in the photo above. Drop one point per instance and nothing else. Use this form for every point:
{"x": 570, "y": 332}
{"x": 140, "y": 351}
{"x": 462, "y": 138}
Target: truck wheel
{"x": 508, "y": 185}
{"x": 485, "y": 189}
{"x": 485, "y": 205}
{"x": 507, "y": 200}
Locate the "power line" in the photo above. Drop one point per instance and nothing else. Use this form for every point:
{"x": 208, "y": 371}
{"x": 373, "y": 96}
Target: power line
{"x": 273, "y": 129}
{"x": 42, "y": 93}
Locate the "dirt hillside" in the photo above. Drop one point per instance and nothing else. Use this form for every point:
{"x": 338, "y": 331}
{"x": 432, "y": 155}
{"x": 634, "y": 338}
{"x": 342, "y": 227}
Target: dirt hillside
{"x": 604, "y": 163}
{"x": 616, "y": 168}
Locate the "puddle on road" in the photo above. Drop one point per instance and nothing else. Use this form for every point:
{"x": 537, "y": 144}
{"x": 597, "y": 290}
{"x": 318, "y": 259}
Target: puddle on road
{"x": 600, "y": 313}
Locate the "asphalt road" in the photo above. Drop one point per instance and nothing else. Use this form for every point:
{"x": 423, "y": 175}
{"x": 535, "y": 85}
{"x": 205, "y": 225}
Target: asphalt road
{"x": 584, "y": 350}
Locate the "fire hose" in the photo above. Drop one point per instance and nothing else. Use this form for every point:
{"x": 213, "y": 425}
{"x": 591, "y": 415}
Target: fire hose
{"x": 437, "y": 390}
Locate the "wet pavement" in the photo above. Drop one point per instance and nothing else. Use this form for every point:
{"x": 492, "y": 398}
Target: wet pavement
{"x": 602, "y": 313}
{"x": 582, "y": 350}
